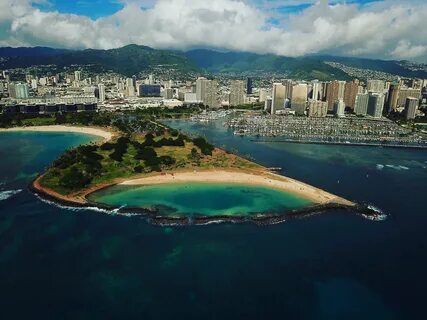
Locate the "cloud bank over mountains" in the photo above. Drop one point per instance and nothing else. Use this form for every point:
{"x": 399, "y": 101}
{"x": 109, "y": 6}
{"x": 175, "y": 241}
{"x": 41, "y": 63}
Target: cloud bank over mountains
{"x": 385, "y": 29}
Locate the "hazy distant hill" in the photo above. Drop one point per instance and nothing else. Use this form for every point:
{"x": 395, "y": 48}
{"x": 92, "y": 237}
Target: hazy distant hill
{"x": 131, "y": 59}
{"x": 28, "y": 52}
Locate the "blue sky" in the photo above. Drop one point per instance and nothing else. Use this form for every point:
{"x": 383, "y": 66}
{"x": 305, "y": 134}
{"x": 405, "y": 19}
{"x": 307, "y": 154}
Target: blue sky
{"x": 90, "y": 8}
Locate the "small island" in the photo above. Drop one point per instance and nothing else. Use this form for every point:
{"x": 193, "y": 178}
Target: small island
{"x": 156, "y": 154}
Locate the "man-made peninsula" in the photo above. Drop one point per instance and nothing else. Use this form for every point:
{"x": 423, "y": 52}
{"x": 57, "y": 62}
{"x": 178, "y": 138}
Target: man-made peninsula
{"x": 148, "y": 153}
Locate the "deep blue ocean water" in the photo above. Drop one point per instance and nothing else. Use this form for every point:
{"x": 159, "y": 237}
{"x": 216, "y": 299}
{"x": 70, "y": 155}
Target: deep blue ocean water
{"x": 62, "y": 264}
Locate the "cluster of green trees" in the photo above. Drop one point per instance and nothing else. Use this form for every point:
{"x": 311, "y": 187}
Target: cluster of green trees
{"x": 119, "y": 148}
{"x": 205, "y": 147}
{"x": 76, "y": 168}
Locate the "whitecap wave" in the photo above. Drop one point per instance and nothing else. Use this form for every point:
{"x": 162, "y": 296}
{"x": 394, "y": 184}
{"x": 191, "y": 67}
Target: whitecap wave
{"x": 4, "y": 195}
{"x": 380, "y": 166}
{"x": 115, "y": 211}
{"x": 378, "y": 216}
{"x": 397, "y": 167}
{"x": 206, "y": 223}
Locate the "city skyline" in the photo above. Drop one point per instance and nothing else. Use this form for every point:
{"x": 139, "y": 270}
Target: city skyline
{"x": 288, "y": 28}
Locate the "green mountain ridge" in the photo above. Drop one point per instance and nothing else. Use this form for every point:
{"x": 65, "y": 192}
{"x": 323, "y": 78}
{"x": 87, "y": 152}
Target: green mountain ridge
{"x": 132, "y": 59}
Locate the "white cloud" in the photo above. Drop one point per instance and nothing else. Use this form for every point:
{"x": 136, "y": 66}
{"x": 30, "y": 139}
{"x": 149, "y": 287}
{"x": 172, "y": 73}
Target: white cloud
{"x": 387, "y": 29}
{"x": 406, "y": 50}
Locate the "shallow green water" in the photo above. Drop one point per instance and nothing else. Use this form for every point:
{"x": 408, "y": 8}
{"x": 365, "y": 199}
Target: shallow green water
{"x": 201, "y": 198}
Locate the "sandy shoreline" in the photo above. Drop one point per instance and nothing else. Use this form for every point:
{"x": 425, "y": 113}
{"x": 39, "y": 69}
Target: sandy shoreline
{"x": 103, "y": 133}
{"x": 265, "y": 179}
{"x": 259, "y": 177}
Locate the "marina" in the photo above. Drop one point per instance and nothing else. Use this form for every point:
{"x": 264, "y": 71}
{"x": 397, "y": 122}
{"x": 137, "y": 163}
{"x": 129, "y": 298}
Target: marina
{"x": 329, "y": 130}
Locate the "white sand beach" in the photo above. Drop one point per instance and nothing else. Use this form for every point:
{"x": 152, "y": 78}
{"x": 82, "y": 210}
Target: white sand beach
{"x": 106, "y": 135}
{"x": 266, "y": 179}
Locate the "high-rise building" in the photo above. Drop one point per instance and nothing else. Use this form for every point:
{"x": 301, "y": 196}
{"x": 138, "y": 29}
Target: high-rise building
{"x": 317, "y": 109}
{"x": 201, "y": 84}
{"x": 289, "y": 84}
{"x": 34, "y": 84}
{"x": 11, "y": 90}
{"x": 393, "y": 96}
{"x": 376, "y": 104}
{"x": 130, "y": 89}
{"x": 375, "y": 86}
{"x": 316, "y": 91}
{"x": 324, "y": 91}
{"x": 268, "y": 104}
{"x": 18, "y": 91}
{"x": 22, "y": 91}
{"x": 350, "y": 93}
{"x": 149, "y": 90}
{"x": 335, "y": 91}
{"x": 411, "y": 108}
{"x": 101, "y": 92}
{"x": 405, "y": 93}
{"x": 361, "y": 104}
{"x": 278, "y": 97}
{"x": 77, "y": 76}
{"x": 212, "y": 98}
{"x": 299, "y": 98}
{"x": 263, "y": 94}
{"x": 207, "y": 92}
{"x": 249, "y": 86}
{"x": 237, "y": 93}
{"x": 168, "y": 93}
{"x": 339, "y": 108}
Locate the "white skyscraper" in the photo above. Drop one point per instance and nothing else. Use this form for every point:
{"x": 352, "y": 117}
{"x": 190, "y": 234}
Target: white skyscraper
{"x": 316, "y": 91}
{"x": 339, "y": 108}
{"x": 130, "y": 87}
{"x": 101, "y": 89}
{"x": 34, "y": 84}
{"x": 77, "y": 76}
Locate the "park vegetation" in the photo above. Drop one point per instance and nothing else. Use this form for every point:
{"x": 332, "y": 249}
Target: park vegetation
{"x": 129, "y": 155}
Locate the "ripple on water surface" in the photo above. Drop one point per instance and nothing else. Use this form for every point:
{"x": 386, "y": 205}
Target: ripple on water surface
{"x": 202, "y": 199}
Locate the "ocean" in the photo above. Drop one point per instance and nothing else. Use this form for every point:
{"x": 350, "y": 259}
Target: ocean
{"x": 59, "y": 263}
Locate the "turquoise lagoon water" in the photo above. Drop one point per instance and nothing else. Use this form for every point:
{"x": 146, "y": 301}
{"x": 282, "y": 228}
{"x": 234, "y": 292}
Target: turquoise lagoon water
{"x": 201, "y": 199}
{"x": 57, "y": 263}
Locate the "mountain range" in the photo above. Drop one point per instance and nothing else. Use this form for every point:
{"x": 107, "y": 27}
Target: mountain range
{"x": 132, "y": 59}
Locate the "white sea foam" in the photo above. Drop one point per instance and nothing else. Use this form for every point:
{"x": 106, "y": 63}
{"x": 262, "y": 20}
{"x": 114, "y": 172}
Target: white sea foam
{"x": 4, "y": 195}
{"x": 397, "y": 167}
{"x": 380, "y": 166}
{"x": 211, "y": 222}
{"x": 379, "y": 216}
{"x": 89, "y": 208}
